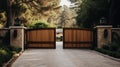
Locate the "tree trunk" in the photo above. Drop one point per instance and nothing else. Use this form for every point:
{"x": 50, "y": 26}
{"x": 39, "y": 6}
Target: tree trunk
{"x": 9, "y": 14}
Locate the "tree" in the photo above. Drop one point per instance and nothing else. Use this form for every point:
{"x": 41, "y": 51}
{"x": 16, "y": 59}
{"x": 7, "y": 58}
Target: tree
{"x": 114, "y": 18}
{"x": 30, "y": 10}
{"x": 68, "y": 17}
{"x": 46, "y": 10}
{"x": 90, "y": 11}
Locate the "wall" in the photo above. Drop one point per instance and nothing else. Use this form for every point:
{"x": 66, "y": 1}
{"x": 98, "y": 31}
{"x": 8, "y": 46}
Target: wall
{"x": 116, "y": 35}
{"x": 117, "y": 30}
{"x": 4, "y": 35}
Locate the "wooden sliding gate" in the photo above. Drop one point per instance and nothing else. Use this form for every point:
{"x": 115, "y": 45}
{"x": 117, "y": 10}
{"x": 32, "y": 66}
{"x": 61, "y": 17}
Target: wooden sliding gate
{"x": 41, "y": 38}
{"x": 77, "y": 38}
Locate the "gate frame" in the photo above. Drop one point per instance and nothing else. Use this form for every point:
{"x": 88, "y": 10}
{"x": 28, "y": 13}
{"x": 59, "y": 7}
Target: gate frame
{"x": 26, "y": 46}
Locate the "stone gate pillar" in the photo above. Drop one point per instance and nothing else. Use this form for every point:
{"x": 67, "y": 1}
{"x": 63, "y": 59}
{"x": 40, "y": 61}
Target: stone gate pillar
{"x": 103, "y": 35}
{"x": 17, "y": 36}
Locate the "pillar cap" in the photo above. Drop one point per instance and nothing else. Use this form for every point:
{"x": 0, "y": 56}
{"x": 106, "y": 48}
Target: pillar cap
{"x": 103, "y": 26}
{"x": 17, "y": 27}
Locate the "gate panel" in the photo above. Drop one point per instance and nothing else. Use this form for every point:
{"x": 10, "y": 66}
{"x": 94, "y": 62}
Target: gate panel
{"x": 77, "y": 38}
{"x": 41, "y": 38}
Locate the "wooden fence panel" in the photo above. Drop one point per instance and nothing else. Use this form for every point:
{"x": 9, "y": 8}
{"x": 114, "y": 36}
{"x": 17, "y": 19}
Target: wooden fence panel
{"x": 41, "y": 38}
{"x": 77, "y": 38}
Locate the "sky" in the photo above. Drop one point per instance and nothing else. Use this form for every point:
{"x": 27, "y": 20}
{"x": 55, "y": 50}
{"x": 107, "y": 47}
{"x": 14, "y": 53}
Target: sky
{"x": 65, "y": 2}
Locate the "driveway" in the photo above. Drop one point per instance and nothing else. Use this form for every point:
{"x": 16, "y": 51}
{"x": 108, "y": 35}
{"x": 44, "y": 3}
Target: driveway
{"x": 63, "y": 58}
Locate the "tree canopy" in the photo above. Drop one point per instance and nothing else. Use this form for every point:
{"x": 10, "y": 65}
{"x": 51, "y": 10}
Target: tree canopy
{"x": 90, "y": 11}
{"x": 33, "y": 10}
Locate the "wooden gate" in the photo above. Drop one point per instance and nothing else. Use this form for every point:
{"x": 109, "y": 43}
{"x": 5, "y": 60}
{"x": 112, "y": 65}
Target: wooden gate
{"x": 41, "y": 38}
{"x": 77, "y": 38}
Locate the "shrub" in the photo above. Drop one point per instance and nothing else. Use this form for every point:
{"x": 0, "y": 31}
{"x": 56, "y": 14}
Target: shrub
{"x": 105, "y": 47}
{"x": 16, "y": 49}
{"x": 6, "y": 53}
{"x": 108, "y": 52}
{"x": 38, "y": 24}
{"x": 10, "y": 48}
{"x": 117, "y": 55}
{"x": 101, "y": 50}
{"x": 119, "y": 50}
{"x": 113, "y": 47}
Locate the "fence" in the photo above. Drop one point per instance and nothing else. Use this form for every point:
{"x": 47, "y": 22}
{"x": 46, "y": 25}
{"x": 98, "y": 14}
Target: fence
{"x": 77, "y": 38}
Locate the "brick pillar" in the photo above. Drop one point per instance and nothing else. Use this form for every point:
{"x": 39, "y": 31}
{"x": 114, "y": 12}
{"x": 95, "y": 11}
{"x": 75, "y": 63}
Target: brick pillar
{"x": 17, "y": 36}
{"x": 102, "y": 37}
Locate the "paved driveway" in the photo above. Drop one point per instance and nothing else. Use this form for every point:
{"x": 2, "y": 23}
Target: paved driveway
{"x": 63, "y": 58}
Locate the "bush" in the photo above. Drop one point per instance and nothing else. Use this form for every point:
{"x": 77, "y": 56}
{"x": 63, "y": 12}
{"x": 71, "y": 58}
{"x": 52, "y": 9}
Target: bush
{"x": 101, "y": 50}
{"x": 119, "y": 50}
{"x": 39, "y": 24}
{"x": 113, "y": 47}
{"x": 6, "y": 53}
{"x": 108, "y": 52}
{"x": 10, "y": 48}
{"x": 117, "y": 55}
{"x": 105, "y": 47}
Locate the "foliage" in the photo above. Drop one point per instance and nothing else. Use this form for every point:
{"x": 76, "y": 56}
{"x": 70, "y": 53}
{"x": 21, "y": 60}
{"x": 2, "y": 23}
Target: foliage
{"x": 2, "y": 18}
{"x": 47, "y": 10}
{"x": 68, "y": 18}
{"x": 6, "y": 53}
{"x": 31, "y": 10}
{"x": 114, "y": 12}
{"x": 112, "y": 49}
{"x": 3, "y": 5}
{"x": 90, "y": 12}
{"x": 112, "y": 46}
{"x": 105, "y": 47}
{"x": 18, "y": 8}
{"x": 110, "y": 53}
{"x": 39, "y": 24}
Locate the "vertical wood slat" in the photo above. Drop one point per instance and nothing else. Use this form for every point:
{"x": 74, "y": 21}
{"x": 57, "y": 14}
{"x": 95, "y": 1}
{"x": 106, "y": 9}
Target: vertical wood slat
{"x": 77, "y": 38}
{"x": 41, "y": 38}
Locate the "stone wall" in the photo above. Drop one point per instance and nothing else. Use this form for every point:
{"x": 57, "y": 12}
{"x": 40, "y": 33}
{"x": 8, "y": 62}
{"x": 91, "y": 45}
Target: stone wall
{"x": 3, "y": 33}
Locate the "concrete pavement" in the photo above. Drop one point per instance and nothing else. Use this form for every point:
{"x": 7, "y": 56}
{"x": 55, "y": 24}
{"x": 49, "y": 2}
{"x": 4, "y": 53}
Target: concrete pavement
{"x": 63, "y": 58}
